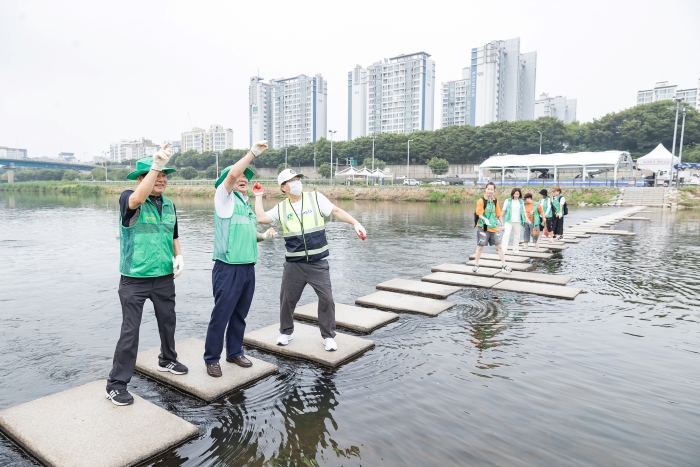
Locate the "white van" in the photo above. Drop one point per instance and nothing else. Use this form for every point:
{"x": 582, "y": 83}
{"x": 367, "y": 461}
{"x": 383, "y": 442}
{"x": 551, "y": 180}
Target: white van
{"x": 411, "y": 182}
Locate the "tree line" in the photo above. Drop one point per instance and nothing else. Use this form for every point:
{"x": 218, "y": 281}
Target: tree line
{"x": 637, "y": 130}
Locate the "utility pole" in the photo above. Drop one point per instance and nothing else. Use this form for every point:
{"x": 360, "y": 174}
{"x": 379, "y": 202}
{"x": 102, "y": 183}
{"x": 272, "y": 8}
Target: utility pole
{"x": 680, "y": 152}
{"x": 373, "y": 152}
{"x": 675, "y": 130}
{"x": 217, "y": 163}
{"x": 538, "y": 131}
{"x": 332, "y": 133}
{"x": 314, "y": 157}
{"x": 408, "y": 159}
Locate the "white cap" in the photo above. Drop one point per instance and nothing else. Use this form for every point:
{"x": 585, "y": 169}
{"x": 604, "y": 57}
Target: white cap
{"x": 286, "y": 175}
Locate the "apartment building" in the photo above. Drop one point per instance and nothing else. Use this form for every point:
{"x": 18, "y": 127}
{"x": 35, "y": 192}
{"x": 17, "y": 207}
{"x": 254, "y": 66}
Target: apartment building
{"x": 665, "y": 91}
{"x": 557, "y": 107}
{"x": 259, "y": 110}
{"x": 456, "y": 97}
{"x": 217, "y": 139}
{"x": 131, "y": 150}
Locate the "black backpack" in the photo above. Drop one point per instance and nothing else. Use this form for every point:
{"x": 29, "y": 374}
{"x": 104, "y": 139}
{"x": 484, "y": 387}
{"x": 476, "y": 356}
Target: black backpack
{"x": 476, "y": 217}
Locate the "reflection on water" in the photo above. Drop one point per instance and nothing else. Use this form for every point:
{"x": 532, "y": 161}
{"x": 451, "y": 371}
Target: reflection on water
{"x": 500, "y": 379}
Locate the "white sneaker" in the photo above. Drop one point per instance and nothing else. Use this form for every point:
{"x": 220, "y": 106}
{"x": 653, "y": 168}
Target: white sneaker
{"x": 330, "y": 344}
{"x": 284, "y": 339}
{"x": 475, "y": 268}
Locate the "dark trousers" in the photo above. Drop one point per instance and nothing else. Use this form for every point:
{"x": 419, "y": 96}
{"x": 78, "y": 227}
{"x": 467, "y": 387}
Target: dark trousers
{"x": 294, "y": 278}
{"x": 559, "y": 225}
{"x": 133, "y": 293}
{"x": 234, "y": 285}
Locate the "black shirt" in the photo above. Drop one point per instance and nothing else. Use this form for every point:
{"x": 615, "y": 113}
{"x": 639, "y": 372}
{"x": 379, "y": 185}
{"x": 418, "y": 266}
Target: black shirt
{"x": 130, "y": 216}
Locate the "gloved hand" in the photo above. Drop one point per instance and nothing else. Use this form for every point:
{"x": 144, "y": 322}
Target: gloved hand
{"x": 161, "y": 158}
{"x": 178, "y": 265}
{"x": 486, "y": 222}
{"x": 269, "y": 234}
{"x": 259, "y": 147}
{"x": 360, "y": 231}
{"x": 258, "y": 190}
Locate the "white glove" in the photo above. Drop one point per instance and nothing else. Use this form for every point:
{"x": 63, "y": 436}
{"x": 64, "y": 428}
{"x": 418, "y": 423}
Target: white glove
{"x": 486, "y": 221}
{"x": 178, "y": 265}
{"x": 259, "y": 147}
{"x": 269, "y": 234}
{"x": 161, "y": 158}
{"x": 360, "y": 231}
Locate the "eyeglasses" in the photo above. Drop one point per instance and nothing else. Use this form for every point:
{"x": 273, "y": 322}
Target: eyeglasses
{"x": 291, "y": 180}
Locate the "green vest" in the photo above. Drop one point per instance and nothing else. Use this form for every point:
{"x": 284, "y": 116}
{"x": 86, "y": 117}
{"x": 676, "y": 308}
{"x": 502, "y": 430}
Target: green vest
{"x": 236, "y": 237}
{"x": 535, "y": 215}
{"x": 146, "y": 248}
{"x": 546, "y": 204}
{"x": 508, "y": 209}
{"x": 556, "y": 202}
{"x": 305, "y": 238}
{"x": 489, "y": 213}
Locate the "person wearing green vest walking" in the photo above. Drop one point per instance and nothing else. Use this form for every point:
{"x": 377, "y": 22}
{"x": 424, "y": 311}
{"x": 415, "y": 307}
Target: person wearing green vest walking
{"x": 149, "y": 260}
{"x": 302, "y": 218}
{"x": 548, "y": 218}
{"x": 560, "y": 210}
{"x": 513, "y": 218}
{"x": 235, "y": 254}
{"x": 488, "y": 233}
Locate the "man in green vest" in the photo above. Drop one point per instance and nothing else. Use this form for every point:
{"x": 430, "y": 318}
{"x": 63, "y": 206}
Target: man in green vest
{"x": 149, "y": 261}
{"x": 302, "y": 218}
{"x": 548, "y": 217}
{"x": 235, "y": 255}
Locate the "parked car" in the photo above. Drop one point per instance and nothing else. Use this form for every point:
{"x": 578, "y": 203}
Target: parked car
{"x": 694, "y": 179}
{"x": 439, "y": 182}
{"x": 411, "y": 182}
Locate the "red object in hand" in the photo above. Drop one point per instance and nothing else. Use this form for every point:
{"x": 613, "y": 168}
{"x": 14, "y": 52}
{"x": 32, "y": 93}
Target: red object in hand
{"x": 257, "y": 188}
{"x": 362, "y": 235}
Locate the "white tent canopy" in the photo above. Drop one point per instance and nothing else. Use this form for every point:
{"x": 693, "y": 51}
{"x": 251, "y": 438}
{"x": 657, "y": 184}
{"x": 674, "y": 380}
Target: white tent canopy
{"x": 658, "y": 159}
{"x": 611, "y": 160}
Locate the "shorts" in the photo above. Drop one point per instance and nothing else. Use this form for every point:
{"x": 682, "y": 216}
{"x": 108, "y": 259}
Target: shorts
{"x": 486, "y": 238}
{"x": 529, "y": 234}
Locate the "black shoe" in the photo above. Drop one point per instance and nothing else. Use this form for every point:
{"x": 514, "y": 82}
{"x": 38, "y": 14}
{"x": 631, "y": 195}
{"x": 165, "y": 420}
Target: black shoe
{"x": 175, "y": 368}
{"x": 119, "y": 397}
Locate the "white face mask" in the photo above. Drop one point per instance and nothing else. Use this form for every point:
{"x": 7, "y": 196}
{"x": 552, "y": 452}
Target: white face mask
{"x": 295, "y": 187}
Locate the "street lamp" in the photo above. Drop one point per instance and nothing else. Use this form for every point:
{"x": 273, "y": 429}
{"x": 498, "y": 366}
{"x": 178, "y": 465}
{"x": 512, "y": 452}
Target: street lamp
{"x": 332, "y": 132}
{"x": 538, "y": 131}
{"x": 408, "y": 159}
{"x": 680, "y": 152}
{"x": 285, "y": 157}
{"x": 314, "y": 157}
{"x": 216, "y": 153}
{"x": 372, "y": 151}
{"x": 675, "y": 130}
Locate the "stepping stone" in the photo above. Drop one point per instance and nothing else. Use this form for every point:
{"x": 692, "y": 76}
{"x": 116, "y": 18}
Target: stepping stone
{"x": 197, "y": 382}
{"x": 636, "y": 218}
{"x": 487, "y": 263}
{"x": 554, "y": 247}
{"x": 509, "y": 257}
{"x": 534, "y": 277}
{"x": 404, "y": 303}
{"x": 308, "y": 344}
{"x": 418, "y": 288}
{"x": 354, "y": 318}
{"x": 80, "y": 428}
{"x": 464, "y": 269}
{"x": 611, "y": 232}
{"x": 461, "y": 279}
{"x": 529, "y": 254}
{"x": 556, "y": 291}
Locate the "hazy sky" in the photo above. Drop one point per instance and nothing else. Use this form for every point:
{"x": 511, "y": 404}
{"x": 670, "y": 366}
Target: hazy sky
{"x": 77, "y": 75}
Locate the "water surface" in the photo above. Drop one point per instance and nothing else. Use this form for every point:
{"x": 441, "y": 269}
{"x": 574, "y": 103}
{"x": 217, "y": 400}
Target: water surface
{"x": 501, "y": 379}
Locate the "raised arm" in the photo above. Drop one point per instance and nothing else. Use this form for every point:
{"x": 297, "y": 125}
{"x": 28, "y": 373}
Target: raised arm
{"x": 260, "y": 213}
{"x": 138, "y": 197}
{"x": 240, "y": 166}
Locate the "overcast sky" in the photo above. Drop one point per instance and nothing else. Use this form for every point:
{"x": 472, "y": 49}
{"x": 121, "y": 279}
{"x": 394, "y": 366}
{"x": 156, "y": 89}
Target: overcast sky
{"x": 77, "y": 75}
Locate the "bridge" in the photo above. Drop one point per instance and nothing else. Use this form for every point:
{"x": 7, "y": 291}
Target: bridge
{"x": 12, "y": 164}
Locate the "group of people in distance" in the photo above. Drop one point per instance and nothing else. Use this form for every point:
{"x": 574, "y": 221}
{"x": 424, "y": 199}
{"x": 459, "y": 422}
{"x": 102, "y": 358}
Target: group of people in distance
{"x": 150, "y": 260}
{"x": 520, "y": 216}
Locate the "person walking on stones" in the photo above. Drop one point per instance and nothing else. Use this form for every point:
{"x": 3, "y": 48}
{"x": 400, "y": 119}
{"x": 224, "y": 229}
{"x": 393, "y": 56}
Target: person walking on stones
{"x": 487, "y": 218}
{"x": 235, "y": 255}
{"x": 150, "y": 259}
{"x": 560, "y": 209}
{"x": 513, "y": 218}
{"x": 302, "y": 218}
{"x": 533, "y": 216}
{"x": 548, "y": 218}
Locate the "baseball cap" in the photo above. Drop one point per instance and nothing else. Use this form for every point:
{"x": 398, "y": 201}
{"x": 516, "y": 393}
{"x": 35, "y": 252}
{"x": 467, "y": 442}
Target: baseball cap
{"x": 286, "y": 175}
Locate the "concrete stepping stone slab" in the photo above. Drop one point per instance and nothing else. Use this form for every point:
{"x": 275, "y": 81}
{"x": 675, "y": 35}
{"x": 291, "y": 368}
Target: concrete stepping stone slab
{"x": 551, "y": 246}
{"x": 404, "y": 303}
{"x": 509, "y": 257}
{"x": 528, "y": 254}
{"x": 464, "y": 269}
{"x": 487, "y": 263}
{"x": 79, "y": 427}
{"x": 354, "y": 318}
{"x": 611, "y": 232}
{"x": 197, "y": 382}
{"x": 463, "y": 280}
{"x": 548, "y": 290}
{"x": 636, "y": 218}
{"x": 418, "y": 288}
{"x": 308, "y": 344}
{"x": 534, "y": 277}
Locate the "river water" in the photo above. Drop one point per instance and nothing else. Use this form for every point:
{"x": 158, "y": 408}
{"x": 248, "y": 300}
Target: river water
{"x": 612, "y": 378}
